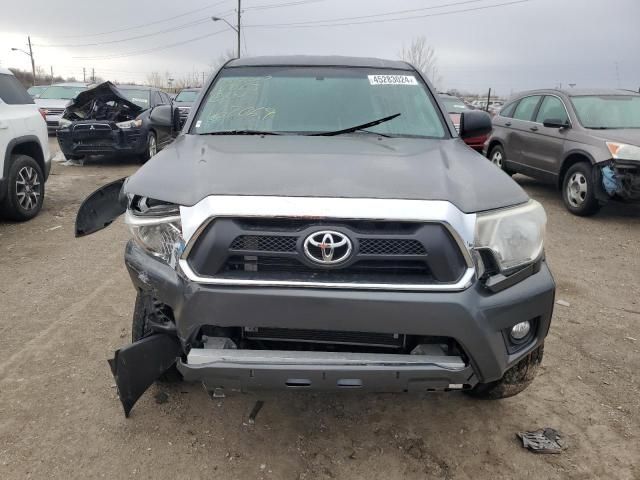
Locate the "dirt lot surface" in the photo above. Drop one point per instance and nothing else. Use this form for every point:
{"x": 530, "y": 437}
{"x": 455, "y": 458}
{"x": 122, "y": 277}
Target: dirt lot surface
{"x": 66, "y": 304}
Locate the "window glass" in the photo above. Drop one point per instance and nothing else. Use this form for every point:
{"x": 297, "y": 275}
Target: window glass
{"x": 608, "y": 111}
{"x": 62, "y": 92}
{"x": 304, "y": 100}
{"x": 187, "y": 96}
{"x": 12, "y": 91}
{"x": 552, "y": 108}
{"x": 139, "y": 97}
{"x": 526, "y": 107}
{"x": 454, "y": 104}
{"x": 508, "y": 110}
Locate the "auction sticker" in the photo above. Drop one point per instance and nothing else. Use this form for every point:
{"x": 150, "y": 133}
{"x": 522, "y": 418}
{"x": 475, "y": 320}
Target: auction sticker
{"x": 392, "y": 80}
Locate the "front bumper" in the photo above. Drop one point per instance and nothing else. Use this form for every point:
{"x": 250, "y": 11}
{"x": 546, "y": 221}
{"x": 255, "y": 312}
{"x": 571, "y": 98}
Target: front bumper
{"x": 127, "y": 141}
{"x": 475, "y": 318}
{"x": 53, "y": 122}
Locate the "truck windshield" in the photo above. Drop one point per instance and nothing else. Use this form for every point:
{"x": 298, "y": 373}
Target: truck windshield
{"x": 313, "y": 100}
{"x": 608, "y": 111}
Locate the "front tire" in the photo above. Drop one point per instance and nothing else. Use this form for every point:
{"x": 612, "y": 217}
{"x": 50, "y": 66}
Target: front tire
{"x": 514, "y": 380}
{"x": 152, "y": 147}
{"x": 579, "y": 190}
{"x": 498, "y": 157}
{"x": 25, "y": 189}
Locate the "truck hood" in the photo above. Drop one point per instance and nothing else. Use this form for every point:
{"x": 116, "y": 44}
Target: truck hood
{"x": 348, "y": 166}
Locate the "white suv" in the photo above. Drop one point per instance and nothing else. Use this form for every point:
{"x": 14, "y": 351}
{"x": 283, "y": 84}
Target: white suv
{"x": 25, "y": 161}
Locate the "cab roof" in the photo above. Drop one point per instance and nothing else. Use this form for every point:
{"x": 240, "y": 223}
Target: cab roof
{"x": 318, "y": 61}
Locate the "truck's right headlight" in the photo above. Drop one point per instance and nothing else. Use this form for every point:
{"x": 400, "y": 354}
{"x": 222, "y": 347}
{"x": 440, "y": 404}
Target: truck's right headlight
{"x": 514, "y": 235}
{"x": 158, "y": 229}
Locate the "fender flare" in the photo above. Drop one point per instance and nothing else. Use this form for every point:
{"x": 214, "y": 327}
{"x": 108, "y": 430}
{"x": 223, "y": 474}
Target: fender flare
{"x": 13, "y": 143}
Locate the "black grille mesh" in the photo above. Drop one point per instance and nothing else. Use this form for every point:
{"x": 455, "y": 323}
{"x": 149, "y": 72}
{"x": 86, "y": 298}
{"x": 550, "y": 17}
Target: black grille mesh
{"x": 382, "y": 246}
{"x": 264, "y": 243}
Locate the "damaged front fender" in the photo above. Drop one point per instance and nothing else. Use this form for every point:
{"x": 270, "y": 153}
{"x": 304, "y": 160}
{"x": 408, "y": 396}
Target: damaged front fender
{"x": 136, "y": 366}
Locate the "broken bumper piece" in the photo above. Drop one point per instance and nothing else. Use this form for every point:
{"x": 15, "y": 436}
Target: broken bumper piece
{"x": 136, "y": 366}
{"x": 224, "y": 368}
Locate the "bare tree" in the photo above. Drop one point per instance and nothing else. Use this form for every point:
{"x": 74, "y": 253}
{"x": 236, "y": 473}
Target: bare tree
{"x": 422, "y": 56}
{"x": 223, "y": 58}
{"x": 154, "y": 79}
{"x": 191, "y": 79}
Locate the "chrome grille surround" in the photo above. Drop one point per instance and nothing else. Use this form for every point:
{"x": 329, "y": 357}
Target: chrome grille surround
{"x": 461, "y": 226}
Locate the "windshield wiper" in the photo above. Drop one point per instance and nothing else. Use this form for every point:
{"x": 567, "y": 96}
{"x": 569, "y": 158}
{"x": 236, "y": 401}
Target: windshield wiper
{"x": 356, "y": 128}
{"x": 240, "y": 132}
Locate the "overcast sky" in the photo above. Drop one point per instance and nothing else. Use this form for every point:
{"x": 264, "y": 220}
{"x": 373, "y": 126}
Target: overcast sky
{"x": 509, "y": 45}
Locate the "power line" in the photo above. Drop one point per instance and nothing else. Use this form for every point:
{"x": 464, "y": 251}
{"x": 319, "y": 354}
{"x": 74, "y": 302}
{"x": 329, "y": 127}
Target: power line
{"x": 395, "y": 12}
{"x": 151, "y": 50}
{"x": 173, "y": 17}
{"x": 279, "y": 5}
{"x": 137, "y": 37}
{"x": 330, "y": 23}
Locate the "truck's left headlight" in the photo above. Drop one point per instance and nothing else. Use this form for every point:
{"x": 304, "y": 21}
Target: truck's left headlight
{"x": 160, "y": 236}
{"x": 514, "y": 235}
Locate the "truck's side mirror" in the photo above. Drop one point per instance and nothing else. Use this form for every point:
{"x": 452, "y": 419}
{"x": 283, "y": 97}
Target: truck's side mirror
{"x": 162, "y": 115}
{"x": 474, "y": 124}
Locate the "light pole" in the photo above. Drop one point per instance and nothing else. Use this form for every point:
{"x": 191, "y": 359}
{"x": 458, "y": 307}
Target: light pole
{"x": 237, "y": 30}
{"x": 30, "y": 53}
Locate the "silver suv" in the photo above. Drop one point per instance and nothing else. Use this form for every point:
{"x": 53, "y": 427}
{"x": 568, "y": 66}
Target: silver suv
{"x": 587, "y": 142}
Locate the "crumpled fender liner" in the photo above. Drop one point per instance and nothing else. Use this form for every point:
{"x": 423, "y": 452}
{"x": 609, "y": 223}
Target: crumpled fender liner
{"x": 136, "y": 366}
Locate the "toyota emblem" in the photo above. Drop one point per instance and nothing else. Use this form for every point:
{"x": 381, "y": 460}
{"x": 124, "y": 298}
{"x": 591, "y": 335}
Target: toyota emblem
{"x": 327, "y": 247}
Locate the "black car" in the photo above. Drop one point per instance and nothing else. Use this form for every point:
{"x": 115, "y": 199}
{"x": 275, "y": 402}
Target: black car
{"x": 183, "y": 102}
{"x": 116, "y": 119}
{"x": 319, "y": 223}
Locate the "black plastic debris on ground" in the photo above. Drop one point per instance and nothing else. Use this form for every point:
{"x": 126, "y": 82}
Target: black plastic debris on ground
{"x": 545, "y": 440}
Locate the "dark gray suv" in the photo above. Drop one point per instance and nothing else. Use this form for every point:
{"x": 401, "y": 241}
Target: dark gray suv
{"x": 587, "y": 142}
{"x": 319, "y": 223}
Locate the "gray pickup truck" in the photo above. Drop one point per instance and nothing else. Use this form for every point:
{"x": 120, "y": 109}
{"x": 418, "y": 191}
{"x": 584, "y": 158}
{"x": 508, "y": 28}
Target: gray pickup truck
{"x": 319, "y": 224}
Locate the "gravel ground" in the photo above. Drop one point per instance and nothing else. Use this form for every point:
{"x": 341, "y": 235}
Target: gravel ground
{"x": 66, "y": 304}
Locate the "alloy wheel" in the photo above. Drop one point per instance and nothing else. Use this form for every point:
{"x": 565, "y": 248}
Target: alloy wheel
{"x": 28, "y": 188}
{"x": 153, "y": 149}
{"x": 577, "y": 189}
{"x": 496, "y": 158}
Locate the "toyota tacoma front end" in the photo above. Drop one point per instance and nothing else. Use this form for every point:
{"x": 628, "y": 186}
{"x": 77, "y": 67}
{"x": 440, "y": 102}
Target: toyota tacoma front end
{"x": 319, "y": 224}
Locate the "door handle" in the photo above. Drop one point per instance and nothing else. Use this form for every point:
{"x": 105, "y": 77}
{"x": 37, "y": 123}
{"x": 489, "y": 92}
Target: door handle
{"x": 507, "y": 124}
{"x": 533, "y": 129}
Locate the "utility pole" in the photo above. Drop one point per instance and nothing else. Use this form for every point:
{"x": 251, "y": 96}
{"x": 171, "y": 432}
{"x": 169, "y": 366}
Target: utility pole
{"x": 51, "y": 74}
{"x": 239, "y": 14}
{"x": 93, "y": 75}
{"x": 84, "y": 75}
{"x": 203, "y": 79}
{"x": 488, "y": 99}
{"x": 237, "y": 28}
{"x": 33, "y": 63}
